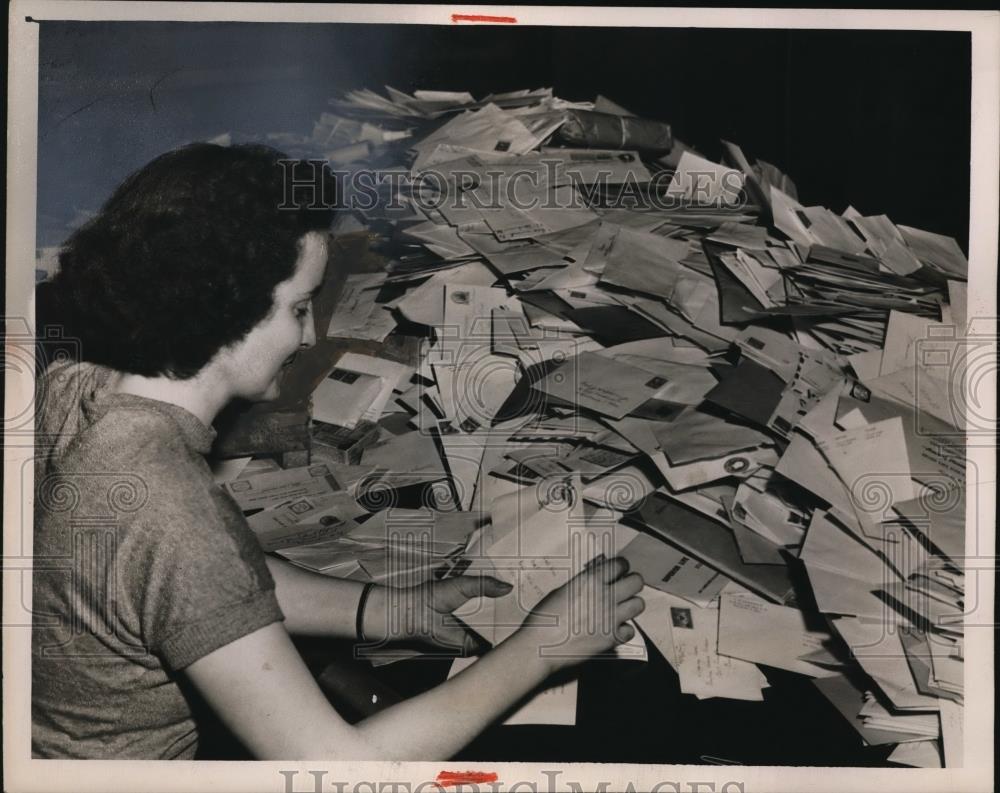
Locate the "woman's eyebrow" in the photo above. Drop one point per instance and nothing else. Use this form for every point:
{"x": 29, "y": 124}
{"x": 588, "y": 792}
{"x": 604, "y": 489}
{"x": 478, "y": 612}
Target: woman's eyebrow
{"x": 311, "y": 293}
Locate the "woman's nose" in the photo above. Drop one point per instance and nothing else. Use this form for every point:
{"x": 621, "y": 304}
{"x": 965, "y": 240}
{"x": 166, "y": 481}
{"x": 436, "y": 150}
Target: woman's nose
{"x": 308, "y": 334}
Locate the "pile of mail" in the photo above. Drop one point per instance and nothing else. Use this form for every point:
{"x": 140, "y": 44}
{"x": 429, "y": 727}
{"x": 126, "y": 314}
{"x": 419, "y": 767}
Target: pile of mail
{"x": 620, "y": 346}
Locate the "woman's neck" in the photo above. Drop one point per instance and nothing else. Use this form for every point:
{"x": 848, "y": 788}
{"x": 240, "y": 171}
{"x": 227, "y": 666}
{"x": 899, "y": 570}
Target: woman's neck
{"x": 196, "y": 395}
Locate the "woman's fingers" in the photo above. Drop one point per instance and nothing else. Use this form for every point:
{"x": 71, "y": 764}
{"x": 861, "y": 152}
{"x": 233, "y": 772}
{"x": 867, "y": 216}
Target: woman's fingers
{"x": 493, "y": 587}
{"x": 624, "y": 633}
{"x": 452, "y": 634}
{"x": 451, "y": 593}
{"x": 470, "y": 586}
{"x": 606, "y": 570}
{"x": 612, "y": 569}
{"x": 628, "y": 586}
{"x": 629, "y": 609}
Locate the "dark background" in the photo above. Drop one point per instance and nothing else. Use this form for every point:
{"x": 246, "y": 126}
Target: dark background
{"x": 876, "y": 119}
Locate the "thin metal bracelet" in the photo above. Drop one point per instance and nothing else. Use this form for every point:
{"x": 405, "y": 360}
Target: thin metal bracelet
{"x": 359, "y": 623}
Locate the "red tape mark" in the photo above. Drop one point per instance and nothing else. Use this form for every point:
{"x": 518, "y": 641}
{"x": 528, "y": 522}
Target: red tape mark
{"x": 482, "y": 18}
{"x": 448, "y": 778}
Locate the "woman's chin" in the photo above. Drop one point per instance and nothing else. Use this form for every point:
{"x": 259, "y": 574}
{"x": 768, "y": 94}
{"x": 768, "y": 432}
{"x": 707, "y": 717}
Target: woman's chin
{"x": 271, "y": 393}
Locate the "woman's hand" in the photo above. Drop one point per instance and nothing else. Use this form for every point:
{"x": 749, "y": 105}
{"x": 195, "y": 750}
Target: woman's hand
{"x": 421, "y": 613}
{"x": 262, "y": 690}
{"x": 586, "y": 616}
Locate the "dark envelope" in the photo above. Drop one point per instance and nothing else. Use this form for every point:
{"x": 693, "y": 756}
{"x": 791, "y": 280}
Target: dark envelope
{"x": 713, "y": 544}
{"x": 612, "y": 325}
{"x": 749, "y": 390}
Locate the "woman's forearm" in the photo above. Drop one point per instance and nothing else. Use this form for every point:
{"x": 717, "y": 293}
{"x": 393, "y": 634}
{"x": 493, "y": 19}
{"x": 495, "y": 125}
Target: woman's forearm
{"x": 438, "y": 723}
{"x": 314, "y": 604}
{"x": 319, "y": 605}
{"x": 260, "y": 688}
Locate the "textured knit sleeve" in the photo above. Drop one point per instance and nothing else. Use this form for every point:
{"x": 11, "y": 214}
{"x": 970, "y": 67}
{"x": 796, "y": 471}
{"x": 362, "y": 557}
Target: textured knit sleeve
{"x": 200, "y": 578}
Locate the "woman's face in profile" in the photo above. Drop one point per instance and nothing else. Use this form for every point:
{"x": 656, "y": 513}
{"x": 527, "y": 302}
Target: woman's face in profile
{"x": 253, "y": 366}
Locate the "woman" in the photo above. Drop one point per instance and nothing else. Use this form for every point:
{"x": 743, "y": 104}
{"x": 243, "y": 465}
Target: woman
{"x": 192, "y": 287}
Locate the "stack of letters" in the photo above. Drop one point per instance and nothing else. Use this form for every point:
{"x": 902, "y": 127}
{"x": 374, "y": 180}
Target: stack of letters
{"x": 613, "y": 344}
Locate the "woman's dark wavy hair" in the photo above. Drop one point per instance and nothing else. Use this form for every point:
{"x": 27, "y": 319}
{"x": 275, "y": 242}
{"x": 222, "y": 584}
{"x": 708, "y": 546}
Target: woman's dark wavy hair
{"x": 184, "y": 257}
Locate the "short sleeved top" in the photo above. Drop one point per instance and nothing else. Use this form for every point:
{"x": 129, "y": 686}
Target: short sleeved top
{"x": 142, "y": 565}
